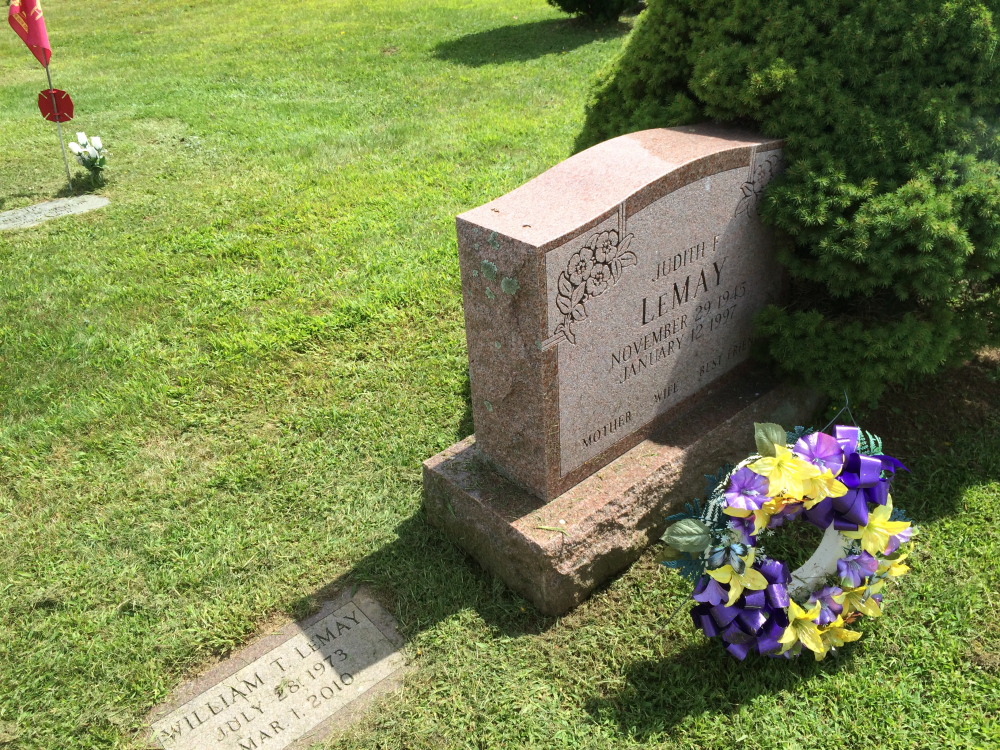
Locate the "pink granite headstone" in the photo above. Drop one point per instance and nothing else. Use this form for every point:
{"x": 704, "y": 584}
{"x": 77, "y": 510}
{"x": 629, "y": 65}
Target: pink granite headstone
{"x": 607, "y": 291}
{"x": 609, "y": 309}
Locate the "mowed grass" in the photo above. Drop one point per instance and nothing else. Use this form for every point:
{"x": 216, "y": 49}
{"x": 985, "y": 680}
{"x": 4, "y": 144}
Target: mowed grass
{"x": 215, "y": 395}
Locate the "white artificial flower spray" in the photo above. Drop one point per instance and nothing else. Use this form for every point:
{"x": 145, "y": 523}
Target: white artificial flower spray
{"x": 90, "y": 153}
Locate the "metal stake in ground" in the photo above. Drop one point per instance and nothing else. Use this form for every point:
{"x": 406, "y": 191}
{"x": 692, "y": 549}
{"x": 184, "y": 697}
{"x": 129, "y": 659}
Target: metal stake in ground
{"x": 62, "y": 144}
{"x": 28, "y": 22}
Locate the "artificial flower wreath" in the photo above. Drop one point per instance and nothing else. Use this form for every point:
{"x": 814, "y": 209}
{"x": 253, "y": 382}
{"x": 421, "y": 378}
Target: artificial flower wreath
{"x": 838, "y": 483}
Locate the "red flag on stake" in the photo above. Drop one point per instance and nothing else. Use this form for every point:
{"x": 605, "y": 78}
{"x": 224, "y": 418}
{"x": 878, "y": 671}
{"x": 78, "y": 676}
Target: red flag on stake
{"x": 25, "y": 17}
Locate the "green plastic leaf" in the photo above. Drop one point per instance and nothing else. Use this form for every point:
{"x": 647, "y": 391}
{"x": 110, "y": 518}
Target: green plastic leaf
{"x": 767, "y": 435}
{"x": 689, "y": 535}
{"x": 670, "y": 554}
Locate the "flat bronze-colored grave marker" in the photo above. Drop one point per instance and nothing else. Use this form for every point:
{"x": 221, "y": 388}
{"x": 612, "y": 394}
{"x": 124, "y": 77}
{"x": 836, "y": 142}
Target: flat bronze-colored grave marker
{"x": 287, "y": 688}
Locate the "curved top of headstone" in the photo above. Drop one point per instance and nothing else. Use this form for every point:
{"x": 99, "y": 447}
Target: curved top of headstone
{"x": 606, "y": 293}
{"x": 642, "y": 166}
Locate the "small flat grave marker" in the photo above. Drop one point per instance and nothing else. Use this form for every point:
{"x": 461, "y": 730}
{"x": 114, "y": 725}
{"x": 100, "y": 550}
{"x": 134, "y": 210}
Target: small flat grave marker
{"x": 290, "y": 692}
{"x": 31, "y": 216}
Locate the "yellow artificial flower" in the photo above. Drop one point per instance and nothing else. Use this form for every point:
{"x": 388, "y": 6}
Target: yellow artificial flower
{"x": 859, "y": 600}
{"x": 785, "y": 472}
{"x": 875, "y": 536}
{"x": 749, "y": 579}
{"x": 817, "y": 489}
{"x": 801, "y": 628}
{"x": 760, "y": 520}
{"x": 774, "y": 505}
{"x": 894, "y": 568}
{"x": 836, "y": 635}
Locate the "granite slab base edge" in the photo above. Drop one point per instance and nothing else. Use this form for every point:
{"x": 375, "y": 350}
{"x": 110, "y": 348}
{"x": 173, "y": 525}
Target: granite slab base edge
{"x": 556, "y": 553}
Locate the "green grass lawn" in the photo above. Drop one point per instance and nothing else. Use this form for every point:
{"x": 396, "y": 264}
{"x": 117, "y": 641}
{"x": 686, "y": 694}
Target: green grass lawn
{"x": 215, "y": 395}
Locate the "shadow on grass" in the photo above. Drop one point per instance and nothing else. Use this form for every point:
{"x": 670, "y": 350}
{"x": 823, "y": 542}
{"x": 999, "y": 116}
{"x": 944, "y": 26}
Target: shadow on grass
{"x": 466, "y": 425}
{"x": 14, "y": 196}
{"x": 82, "y": 185}
{"x": 924, "y": 423}
{"x": 526, "y": 41}
{"x": 423, "y": 578}
{"x": 700, "y": 679}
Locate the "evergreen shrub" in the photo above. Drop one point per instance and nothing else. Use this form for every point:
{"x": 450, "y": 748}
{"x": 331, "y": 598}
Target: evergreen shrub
{"x": 596, "y": 10}
{"x": 890, "y": 204}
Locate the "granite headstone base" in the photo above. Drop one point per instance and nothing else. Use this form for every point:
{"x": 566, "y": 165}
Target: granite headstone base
{"x": 556, "y": 553}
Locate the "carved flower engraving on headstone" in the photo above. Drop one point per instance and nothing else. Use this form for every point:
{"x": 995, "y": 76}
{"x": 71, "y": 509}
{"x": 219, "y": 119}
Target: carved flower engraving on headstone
{"x": 753, "y": 188}
{"x": 591, "y": 271}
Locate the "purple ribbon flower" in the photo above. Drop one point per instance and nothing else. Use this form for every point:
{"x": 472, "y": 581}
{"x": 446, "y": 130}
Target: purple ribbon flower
{"x": 710, "y": 591}
{"x": 778, "y": 577}
{"x": 897, "y": 539}
{"x": 744, "y": 526}
{"x": 787, "y": 513}
{"x": 862, "y": 475}
{"x": 822, "y": 450}
{"x": 829, "y": 610}
{"x": 747, "y": 490}
{"x": 856, "y": 568}
{"x": 755, "y": 621}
